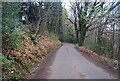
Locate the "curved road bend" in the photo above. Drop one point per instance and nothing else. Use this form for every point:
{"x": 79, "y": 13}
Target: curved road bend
{"x": 68, "y": 63}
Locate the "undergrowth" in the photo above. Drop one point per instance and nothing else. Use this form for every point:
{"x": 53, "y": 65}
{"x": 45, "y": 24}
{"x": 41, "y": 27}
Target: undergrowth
{"x": 53, "y": 36}
{"x": 20, "y": 49}
{"x": 99, "y": 52}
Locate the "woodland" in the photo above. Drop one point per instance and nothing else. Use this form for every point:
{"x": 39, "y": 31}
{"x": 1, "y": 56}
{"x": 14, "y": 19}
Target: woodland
{"x": 30, "y": 30}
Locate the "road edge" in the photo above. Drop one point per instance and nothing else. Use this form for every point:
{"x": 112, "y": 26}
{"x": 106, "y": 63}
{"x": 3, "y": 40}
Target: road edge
{"x": 105, "y": 66}
{"x": 41, "y": 67}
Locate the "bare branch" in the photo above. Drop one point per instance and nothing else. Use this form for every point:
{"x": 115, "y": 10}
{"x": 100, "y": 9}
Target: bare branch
{"x": 69, "y": 19}
{"x": 110, "y": 9}
{"x": 100, "y": 25}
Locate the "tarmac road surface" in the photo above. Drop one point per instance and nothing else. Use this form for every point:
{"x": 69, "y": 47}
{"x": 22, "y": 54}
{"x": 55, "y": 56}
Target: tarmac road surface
{"x": 68, "y": 63}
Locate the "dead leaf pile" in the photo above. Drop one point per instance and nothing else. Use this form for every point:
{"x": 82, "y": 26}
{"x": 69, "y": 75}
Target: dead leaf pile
{"x": 22, "y": 59}
{"x": 91, "y": 54}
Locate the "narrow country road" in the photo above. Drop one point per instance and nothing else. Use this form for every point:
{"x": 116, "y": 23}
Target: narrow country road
{"x": 68, "y": 63}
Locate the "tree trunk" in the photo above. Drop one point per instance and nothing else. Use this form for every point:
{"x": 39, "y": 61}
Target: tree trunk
{"x": 76, "y": 29}
{"x": 118, "y": 44}
{"x": 113, "y": 43}
{"x": 99, "y": 36}
{"x": 35, "y": 25}
{"x": 82, "y": 35}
